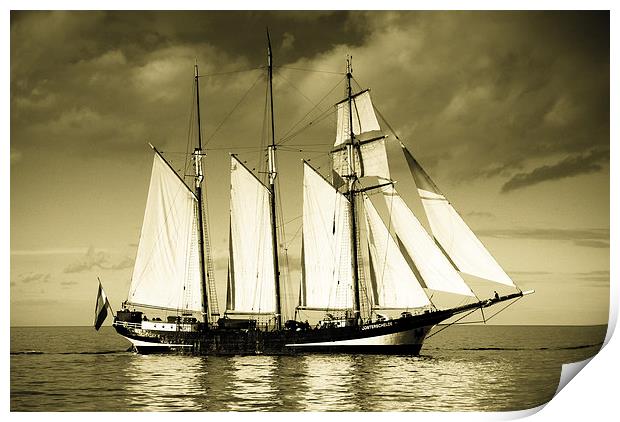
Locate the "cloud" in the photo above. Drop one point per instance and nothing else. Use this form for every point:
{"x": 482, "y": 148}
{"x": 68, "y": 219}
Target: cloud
{"x": 480, "y": 214}
{"x": 530, "y": 272}
{"x": 16, "y": 155}
{"x": 596, "y": 277}
{"x": 288, "y": 40}
{"x": 593, "y": 238}
{"x": 51, "y": 251}
{"x": 126, "y": 262}
{"x": 32, "y": 277}
{"x": 97, "y": 259}
{"x": 592, "y": 243}
{"x": 90, "y": 260}
{"x": 590, "y": 162}
{"x": 480, "y": 100}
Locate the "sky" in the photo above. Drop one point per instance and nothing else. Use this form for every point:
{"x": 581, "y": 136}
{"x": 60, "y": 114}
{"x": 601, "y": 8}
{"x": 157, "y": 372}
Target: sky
{"x": 507, "y": 111}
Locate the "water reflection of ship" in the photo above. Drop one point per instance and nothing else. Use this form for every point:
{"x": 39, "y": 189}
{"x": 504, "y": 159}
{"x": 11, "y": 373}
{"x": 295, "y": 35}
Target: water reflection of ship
{"x": 374, "y": 283}
{"x": 160, "y": 383}
{"x": 252, "y": 384}
{"x": 339, "y": 382}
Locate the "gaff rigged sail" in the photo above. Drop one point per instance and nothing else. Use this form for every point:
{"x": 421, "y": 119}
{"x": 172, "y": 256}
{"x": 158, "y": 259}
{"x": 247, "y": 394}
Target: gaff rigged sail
{"x": 167, "y": 269}
{"x": 251, "y": 268}
{"x": 327, "y": 270}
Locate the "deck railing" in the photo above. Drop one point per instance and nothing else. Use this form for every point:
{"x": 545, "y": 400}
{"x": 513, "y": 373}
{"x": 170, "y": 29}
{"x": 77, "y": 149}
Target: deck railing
{"x": 135, "y": 325}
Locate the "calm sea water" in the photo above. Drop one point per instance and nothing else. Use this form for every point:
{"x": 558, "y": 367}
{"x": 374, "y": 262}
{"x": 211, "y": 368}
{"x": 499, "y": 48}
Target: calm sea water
{"x": 486, "y": 368}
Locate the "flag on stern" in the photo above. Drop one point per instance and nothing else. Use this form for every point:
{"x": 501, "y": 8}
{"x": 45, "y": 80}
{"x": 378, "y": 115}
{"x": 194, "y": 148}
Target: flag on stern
{"x": 101, "y": 307}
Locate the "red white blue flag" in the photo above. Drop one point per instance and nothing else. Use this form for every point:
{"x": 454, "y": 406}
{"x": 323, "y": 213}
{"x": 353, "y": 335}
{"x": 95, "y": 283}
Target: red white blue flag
{"x": 101, "y": 307}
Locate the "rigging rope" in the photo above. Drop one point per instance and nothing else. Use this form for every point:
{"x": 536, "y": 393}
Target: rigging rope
{"x": 233, "y": 110}
{"x": 311, "y": 70}
{"x": 505, "y": 307}
{"x": 452, "y": 323}
{"x": 318, "y": 119}
{"x": 379, "y": 113}
{"x": 474, "y": 322}
{"x": 297, "y": 89}
{"x": 208, "y": 75}
{"x": 286, "y": 136}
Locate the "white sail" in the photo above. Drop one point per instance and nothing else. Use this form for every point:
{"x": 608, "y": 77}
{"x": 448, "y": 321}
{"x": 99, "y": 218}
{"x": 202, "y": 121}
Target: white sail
{"x": 167, "y": 269}
{"x": 328, "y": 277}
{"x": 364, "y": 118}
{"x": 458, "y": 241}
{"x": 434, "y": 268}
{"x": 374, "y": 160}
{"x": 395, "y": 283}
{"x": 251, "y": 271}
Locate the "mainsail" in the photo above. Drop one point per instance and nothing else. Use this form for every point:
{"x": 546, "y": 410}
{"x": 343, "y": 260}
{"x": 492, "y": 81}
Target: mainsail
{"x": 167, "y": 269}
{"x": 326, "y": 245}
{"x": 434, "y": 268}
{"x": 395, "y": 284}
{"x": 251, "y": 267}
{"x": 457, "y": 240}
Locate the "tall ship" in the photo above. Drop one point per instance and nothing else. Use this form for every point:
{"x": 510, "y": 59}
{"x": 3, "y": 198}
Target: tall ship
{"x": 372, "y": 275}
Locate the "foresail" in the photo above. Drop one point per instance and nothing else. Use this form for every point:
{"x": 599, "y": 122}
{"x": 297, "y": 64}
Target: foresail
{"x": 364, "y": 118}
{"x": 328, "y": 278}
{"x": 452, "y": 233}
{"x": 434, "y": 268}
{"x": 167, "y": 269}
{"x": 395, "y": 284}
{"x": 251, "y": 282}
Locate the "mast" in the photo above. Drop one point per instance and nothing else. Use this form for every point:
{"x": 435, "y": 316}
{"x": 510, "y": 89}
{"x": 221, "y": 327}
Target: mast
{"x": 272, "y": 187}
{"x": 198, "y": 177}
{"x": 351, "y": 179}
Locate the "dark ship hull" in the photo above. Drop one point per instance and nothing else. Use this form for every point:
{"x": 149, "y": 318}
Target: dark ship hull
{"x": 404, "y": 335}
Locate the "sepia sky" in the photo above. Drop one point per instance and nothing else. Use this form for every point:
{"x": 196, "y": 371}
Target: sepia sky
{"x": 507, "y": 111}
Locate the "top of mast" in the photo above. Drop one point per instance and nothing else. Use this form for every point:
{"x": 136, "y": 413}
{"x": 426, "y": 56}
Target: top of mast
{"x": 270, "y": 74}
{"x": 196, "y": 76}
{"x": 350, "y": 99}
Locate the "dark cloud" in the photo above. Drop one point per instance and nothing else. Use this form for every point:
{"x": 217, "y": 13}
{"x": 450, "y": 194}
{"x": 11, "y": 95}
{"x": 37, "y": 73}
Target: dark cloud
{"x": 594, "y": 238}
{"x": 590, "y": 162}
{"x": 483, "y": 90}
{"x": 68, "y": 283}
{"x": 97, "y": 259}
{"x": 32, "y": 277}
{"x": 108, "y": 78}
{"x": 519, "y": 87}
